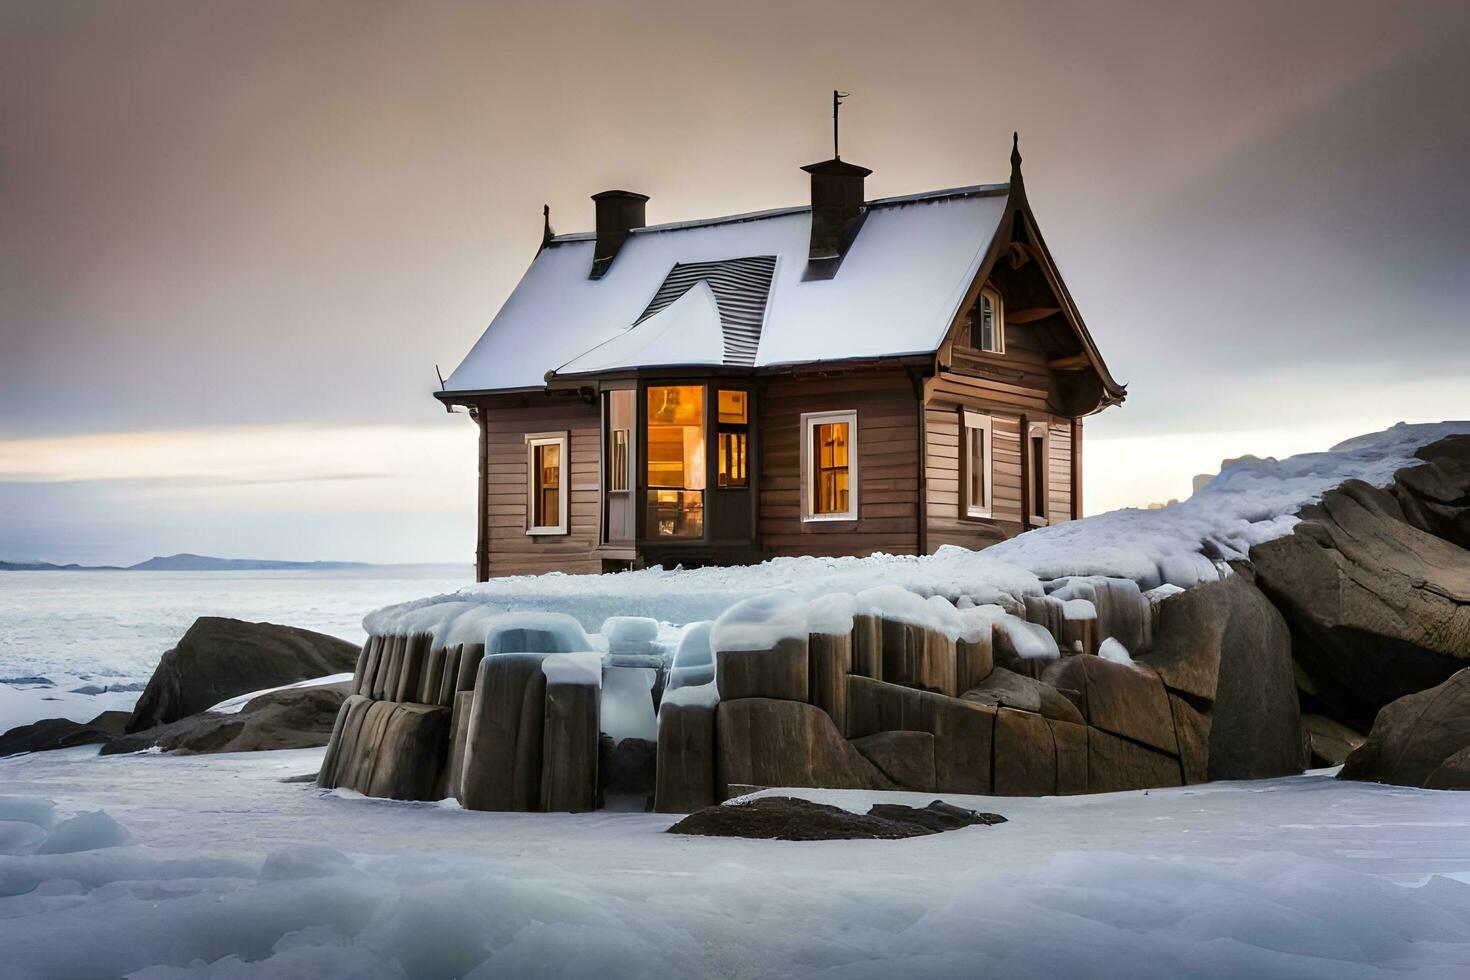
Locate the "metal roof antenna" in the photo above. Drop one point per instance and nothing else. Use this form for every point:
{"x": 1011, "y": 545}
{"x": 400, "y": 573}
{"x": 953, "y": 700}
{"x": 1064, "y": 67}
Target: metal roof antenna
{"x": 837, "y": 98}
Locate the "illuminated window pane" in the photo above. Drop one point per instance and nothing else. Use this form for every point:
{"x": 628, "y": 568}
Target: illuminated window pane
{"x": 831, "y": 448}
{"x": 546, "y": 471}
{"x": 734, "y": 416}
{"x": 676, "y": 460}
{"x": 733, "y": 406}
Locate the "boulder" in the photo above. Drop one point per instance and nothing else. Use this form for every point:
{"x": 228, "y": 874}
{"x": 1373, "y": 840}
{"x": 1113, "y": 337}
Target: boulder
{"x": 1071, "y": 746}
{"x": 780, "y": 672}
{"x": 1025, "y": 755}
{"x": 1452, "y": 773}
{"x": 294, "y": 718}
{"x": 502, "y": 766}
{"x": 1004, "y": 688}
{"x": 829, "y": 661}
{"x": 387, "y": 749}
{"x": 791, "y": 818}
{"x": 1328, "y": 742}
{"x": 974, "y": 659}
{"x": 1415, "y": 737}
{"x": 569, "y": 748}
{"x": 1436, "y": 496}
{"x": 1192, "y": 727}
{"x": 1126, "y": 700}
{"x": 685, "y": 779}
{"x": 1115, "y": 764}
{"x": 906, "y": 758}
{"x": 409, "y": 757}
{"x": 217, "y": 659}
{"x": 1378, "y": 608}
{"x": 62, "y": 733}
{"x": 770, "y": 742}
{"x": 867, "y": 646}
{"x": 962, "y": 730}
{"x": 917, "y": 657}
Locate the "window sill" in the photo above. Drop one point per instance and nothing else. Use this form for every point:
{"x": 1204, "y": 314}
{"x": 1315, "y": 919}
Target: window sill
{"x": 829, "y": 518}
{"x": 545, "y": 531}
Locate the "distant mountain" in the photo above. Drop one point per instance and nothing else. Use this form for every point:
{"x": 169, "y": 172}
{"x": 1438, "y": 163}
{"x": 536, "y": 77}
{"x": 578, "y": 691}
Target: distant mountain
{"x": 185, "y": 563}
{"x": 46, "y": 566}
{"x": 205, "y": 563}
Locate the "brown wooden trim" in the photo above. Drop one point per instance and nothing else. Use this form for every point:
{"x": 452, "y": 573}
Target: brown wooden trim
{"x": 916, "y": 379}
{"x": 482, "y": 504}
{"x": 1076, "y": 469}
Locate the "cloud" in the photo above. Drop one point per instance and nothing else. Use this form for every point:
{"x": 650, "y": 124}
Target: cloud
{"x": 239, "y": 456}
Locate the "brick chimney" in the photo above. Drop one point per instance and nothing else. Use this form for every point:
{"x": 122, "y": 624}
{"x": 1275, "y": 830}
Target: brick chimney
{"x": 618, "y": 212}
{"x": 837, "y": 200}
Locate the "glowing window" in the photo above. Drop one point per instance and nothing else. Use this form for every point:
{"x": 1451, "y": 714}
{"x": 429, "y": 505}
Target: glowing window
{"x": 733, "y": 437}
{"x": 829, "y": 465}
{"x": 676, "y": 461}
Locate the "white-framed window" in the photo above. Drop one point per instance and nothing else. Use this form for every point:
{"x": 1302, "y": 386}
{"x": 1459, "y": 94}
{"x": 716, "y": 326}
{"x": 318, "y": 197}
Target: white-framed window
{"x": 829, "y": 466}
{"x": 988, "y": 322}
{"x": 546, "y": 483}
{"x": 978, "y": 454}
{"x": 1036, "y": 468}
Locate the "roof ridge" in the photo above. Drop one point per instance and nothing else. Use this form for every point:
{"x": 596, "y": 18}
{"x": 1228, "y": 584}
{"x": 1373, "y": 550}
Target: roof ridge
{"x": 971, "y": 190}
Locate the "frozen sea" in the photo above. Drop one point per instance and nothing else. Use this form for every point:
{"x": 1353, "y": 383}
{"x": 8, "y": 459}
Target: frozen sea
{"x": 65, "y": 632}
{"x": 156, "y": 866}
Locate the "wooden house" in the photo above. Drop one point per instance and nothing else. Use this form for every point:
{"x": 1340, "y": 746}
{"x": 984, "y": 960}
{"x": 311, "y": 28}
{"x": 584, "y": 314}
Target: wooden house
{"x": 841, "y": 378}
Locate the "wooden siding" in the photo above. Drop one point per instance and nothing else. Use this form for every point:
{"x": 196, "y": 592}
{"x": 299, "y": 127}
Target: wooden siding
{"x": 943, "y": 466}
{"x": 1059, "y": 475}
{"x": 511, "y": 551}
{"x": 888, "y": 464}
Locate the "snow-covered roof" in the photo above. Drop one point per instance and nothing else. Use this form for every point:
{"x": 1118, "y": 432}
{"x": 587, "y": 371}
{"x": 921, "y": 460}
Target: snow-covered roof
{"x": 899, "y": 286}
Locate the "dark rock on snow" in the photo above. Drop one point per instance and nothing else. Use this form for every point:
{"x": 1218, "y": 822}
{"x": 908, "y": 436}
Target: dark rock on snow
{"x": 296, "y": 718}
{"x": 790, "y": 818}
{"x": 62, "y": 733}
{"x": 222, "y": 658}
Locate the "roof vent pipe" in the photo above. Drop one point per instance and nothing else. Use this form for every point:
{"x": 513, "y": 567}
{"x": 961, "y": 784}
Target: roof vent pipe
{"x": 618, "y": 213}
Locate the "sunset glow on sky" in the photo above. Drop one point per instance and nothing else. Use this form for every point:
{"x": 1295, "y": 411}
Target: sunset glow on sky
{"x": 236, "y": 239}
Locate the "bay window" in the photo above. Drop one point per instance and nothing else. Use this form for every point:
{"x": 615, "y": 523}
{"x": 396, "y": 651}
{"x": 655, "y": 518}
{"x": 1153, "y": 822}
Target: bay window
{"x": 829, "y": 466}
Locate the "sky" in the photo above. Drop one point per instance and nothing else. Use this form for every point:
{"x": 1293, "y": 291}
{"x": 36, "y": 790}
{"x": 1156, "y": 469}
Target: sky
{"x": 237, "y": 238}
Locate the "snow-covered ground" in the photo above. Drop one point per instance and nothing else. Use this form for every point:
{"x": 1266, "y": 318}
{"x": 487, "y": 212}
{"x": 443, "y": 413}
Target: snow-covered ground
{"x": 229, "y": 871}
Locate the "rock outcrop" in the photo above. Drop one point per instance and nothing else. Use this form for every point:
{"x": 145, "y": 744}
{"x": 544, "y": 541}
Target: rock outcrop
{"x": 62, "y": 733}
{"x": 1379, "y": 608}
{"x": 217, "y": 659}
{"x": 295, "y": 718}
{"x": 1422, "y": 739}
{"x": 792, "y": 818}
